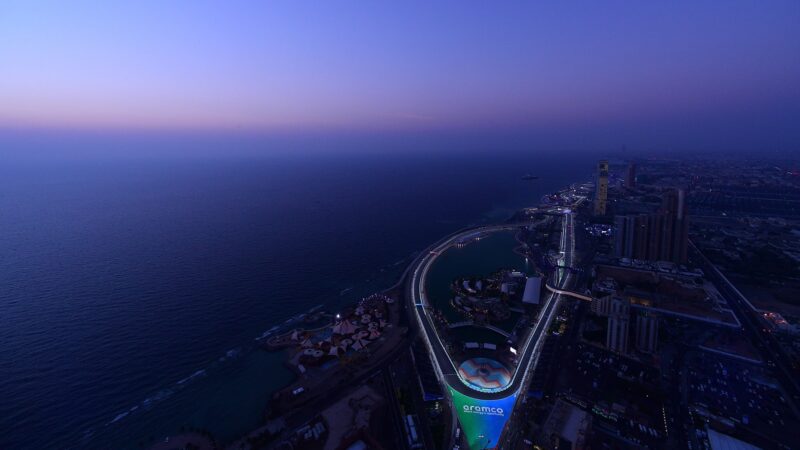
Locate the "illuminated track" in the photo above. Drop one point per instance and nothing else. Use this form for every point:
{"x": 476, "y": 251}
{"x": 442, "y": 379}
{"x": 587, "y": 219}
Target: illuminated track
{"x": 447, "y": 369}
{"x": 572, "y": 294}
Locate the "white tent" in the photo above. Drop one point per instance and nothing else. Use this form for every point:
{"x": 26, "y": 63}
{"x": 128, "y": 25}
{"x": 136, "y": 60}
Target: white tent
{"x": 344, "y": 327}
{"x": 312, "y": 352}
{"x": 295, "y": 335}
{"x": 348, "y": 327}
{"x": 307, "y": 343}
{"x": 375, "y": 334}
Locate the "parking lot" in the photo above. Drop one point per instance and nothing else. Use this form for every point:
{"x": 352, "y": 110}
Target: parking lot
{"x": 622, "y": 394}
{"x": 741, "y": 393}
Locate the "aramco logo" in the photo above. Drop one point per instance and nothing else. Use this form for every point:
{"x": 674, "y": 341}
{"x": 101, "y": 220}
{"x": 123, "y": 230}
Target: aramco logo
{"x": 483, "y": 410}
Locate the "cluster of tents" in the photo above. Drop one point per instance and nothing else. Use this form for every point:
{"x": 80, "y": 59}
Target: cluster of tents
{"x": 355, "y": 334}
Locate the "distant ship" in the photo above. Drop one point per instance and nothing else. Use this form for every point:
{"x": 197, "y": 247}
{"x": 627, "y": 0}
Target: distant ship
{"x": 528, "y": 176}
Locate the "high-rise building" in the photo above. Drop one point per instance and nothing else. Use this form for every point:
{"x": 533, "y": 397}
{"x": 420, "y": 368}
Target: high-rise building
{"x": 620, "y": 225}
{"x": 601, "y": 306}
{"x": 662, "y": 236}
{"x": 641, "y": 235}
{"x": 630, "y": 179}
{"x": 617, "y": 332}
{"x": 646, "y": 332}
{"x": 601, "y": 189}
{"x": 624, "y": 236}
{"x": 675, "y": 231}
{"x": 656, "y": 225}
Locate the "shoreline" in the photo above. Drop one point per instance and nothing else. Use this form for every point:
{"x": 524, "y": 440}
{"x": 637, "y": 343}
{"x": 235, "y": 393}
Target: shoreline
{"x": 312, "y": 383}
{"x": 267, "y": 341}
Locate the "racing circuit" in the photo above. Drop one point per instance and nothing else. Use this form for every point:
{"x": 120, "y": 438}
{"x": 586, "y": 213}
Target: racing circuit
{"x": 481, "y": 395}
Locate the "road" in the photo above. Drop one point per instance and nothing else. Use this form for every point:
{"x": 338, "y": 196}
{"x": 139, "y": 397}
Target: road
{"x": 755, "y": 330}
{"x": 572, "y": 294}
{"x": 444, "y": 366}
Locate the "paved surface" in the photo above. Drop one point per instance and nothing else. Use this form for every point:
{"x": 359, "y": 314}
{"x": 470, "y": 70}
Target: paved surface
{"x": 447, "y": 368}
{"x": 573, "y": 294}
{"x": 754, "y": 329}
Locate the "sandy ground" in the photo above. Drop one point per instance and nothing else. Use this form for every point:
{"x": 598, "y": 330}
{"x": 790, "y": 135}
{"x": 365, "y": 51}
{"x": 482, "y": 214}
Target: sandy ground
{"x": 339, "y": 417}
{"x": 324, "y": 384}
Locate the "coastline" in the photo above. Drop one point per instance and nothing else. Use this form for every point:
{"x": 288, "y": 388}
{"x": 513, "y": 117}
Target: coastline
{"x": 270, "y": 415}
{"x": 201, "y": 309}
{"x": 275, "y": 413}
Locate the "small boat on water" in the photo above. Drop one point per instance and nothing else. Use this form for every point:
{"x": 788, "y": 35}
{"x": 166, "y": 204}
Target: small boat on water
{"x": 528, "y": 177}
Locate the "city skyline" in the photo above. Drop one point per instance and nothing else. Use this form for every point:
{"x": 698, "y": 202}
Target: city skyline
{"x": 412, "y": 226}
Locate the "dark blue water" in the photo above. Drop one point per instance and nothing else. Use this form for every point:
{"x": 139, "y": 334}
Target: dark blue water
{"x": 132, "y": 291}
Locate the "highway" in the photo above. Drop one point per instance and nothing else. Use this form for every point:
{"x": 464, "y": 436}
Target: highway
{"x": 447, "y": 369}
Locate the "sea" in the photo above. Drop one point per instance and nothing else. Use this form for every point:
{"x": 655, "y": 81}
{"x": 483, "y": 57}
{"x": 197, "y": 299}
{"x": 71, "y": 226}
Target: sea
{"x": 134, "y": 291}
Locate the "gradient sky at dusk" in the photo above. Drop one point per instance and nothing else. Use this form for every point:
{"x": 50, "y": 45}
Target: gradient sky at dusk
{"x": 404, "y": 66}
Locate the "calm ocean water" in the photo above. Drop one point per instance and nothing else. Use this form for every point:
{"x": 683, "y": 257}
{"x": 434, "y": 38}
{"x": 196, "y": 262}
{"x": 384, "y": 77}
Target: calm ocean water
{"x": 133, "y": 290}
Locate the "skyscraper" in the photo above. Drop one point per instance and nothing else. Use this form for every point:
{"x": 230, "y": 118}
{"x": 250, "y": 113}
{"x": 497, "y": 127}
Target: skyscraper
{"x": 620, "y": 225}
{"x": 675, "y": 230}
{"x": 625, "y": 236}
{"x": 630, "y": 179}
{"x": 641, "y": 236}
{"x": 646, "y": 332}
{"x": 661, "y": 236}
{"x": 601, "y": 190}
{"x": 618, "y": 318}
{"x": 601, "y": 306}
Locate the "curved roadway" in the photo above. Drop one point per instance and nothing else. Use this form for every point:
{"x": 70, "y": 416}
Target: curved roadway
{"x": 444, "y": 365}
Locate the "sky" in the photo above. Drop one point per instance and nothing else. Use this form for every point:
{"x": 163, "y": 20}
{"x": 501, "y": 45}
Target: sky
{"x": 674, "y": 74}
